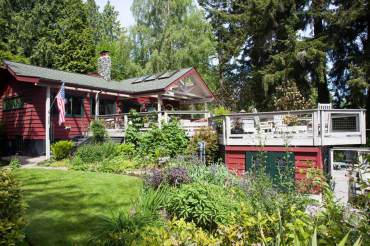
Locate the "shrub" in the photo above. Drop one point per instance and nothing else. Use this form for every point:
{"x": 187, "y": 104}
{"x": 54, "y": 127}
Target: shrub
{"x": 217, "y": 174}
{"x": 61, "y": 149}
{"x": 127, "y": 150}
{"x": 177, "y": 176}
{"x": 209, "y": 136}
{"x": 206, "y": 205}
{"x": 117, "y": 164}
{"x": 155, "y": 178}
{"x": 96, "y": 152}
{"x": 12, "y": 209}
{"x": 97, "y": 128}
{"x": 170, "y": 140}
{"x": 15, "y": 163}
{"x": 177, "y": 232}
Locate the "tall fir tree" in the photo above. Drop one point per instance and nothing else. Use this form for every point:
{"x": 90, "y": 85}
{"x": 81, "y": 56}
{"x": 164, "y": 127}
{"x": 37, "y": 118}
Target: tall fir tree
{"x": 172, "y": 34}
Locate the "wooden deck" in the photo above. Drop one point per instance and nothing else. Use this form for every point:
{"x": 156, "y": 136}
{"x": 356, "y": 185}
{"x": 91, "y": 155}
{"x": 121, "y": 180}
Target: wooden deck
{"x": 318, "y": 127}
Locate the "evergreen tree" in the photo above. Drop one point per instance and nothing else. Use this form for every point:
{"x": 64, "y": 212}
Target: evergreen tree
{"x": 171, "y": 34}
{"x": 110, "y": 27}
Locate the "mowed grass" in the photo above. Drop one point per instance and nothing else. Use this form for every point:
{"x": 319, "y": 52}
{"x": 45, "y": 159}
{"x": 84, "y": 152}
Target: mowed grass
{"x": 64, "y": 207}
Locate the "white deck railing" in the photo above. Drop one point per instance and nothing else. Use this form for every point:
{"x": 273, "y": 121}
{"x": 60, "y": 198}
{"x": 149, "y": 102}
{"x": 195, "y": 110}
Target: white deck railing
{"x": 190, "y": 121}
{"x": 317, "y": 127}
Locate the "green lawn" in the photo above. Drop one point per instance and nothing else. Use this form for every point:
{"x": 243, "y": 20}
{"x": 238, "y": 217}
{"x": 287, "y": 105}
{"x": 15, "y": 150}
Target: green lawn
{"x": 65, "y": 206}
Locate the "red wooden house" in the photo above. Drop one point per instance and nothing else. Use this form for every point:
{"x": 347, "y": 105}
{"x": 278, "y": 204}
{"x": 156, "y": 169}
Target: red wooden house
{"x": 30, "y": 118}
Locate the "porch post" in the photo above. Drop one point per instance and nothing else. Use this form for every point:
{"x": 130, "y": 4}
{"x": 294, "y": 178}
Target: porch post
{"x": 47, "y": 123}
{"x": 96, "y": 105}
{"x": 159, "y": 109}
{"x": 205, "y": 106}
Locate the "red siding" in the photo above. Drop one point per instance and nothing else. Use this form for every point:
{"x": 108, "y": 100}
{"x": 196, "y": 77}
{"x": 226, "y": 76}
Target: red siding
{"x": 28, "y": 121}
{"x": 304, "y": 158}
{"x": 74, "y": 126}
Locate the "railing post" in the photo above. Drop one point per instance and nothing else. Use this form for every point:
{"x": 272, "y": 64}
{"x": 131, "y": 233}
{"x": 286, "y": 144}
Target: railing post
{"x": 322, "y": 127}
{"x": 226, "y": 128}
{"x": 362, "y": 126}
{"x": 165, "y": 117}
{"x": 125, "y": 121}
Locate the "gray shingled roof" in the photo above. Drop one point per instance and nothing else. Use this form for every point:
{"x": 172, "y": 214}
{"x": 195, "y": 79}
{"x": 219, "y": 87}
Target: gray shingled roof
{"x": 130, "y": 86}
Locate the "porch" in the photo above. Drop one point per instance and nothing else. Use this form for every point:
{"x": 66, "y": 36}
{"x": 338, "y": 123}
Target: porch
{"x": 190, "y": 121}
{"x": 316, "y": 127}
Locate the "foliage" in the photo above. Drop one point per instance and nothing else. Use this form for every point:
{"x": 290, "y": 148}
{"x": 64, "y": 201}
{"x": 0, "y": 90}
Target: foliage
{"x": 92, "y": 153}
{"x": 165, "y": 35}
{"x": 117, "y": 164}
{"x": 221, "y": 110}
{"x": 206, "y": 205}
{"x": 62, "y": 149}
{"x": 210, "y": 137}
{"x": 155, "y": 178}
{"x": 125, "y": 228}
{"x": 288, "y": 97}
{"x": 169, "y": 140}
{"x": 15, "y": 163}
{"x": 127, "y": 150}
{"x": 216, "y": 174}
{"x": 97, "y": 128}
{"x": 177, "y": 176}
{"x": 173, "y": 176}
{"x": 177, "y": 232}
{"x": 12, "y": 209}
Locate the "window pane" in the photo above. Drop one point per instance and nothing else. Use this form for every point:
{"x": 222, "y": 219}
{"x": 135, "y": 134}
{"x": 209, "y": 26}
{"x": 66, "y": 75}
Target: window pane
{"x": 76, "y": 106}
{"x": 68, "y": 105}
{"x": 107, "y": 107}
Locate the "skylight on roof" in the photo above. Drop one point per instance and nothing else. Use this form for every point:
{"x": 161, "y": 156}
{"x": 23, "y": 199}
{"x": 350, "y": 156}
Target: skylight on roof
{"x": 168, "y": 74}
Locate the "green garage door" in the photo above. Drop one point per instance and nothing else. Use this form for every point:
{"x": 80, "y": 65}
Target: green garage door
{"x": 275, "y": 163}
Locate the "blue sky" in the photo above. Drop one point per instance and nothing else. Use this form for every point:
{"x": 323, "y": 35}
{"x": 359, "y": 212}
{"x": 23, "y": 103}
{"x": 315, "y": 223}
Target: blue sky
{"x": 123, "y": 7}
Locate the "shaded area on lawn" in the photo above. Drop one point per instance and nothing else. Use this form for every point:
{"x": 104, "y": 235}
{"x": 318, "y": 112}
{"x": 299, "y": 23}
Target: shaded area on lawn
{"x": 65, "y": 206}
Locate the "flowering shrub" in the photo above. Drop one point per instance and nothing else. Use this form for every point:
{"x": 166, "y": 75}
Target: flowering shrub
{"x": 155, "y": 178}
{"x": 177, "y": 176}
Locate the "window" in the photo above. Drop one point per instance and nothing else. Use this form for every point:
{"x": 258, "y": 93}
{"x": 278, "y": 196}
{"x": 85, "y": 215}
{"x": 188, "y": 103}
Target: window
{"x": 13, "y": 103}
{"x": 73, "y": 106}
{"x": 106, "y": 106}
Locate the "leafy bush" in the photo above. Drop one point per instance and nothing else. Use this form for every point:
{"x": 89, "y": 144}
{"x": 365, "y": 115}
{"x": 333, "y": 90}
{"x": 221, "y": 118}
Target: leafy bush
{"x": 61, "y": 149}
{"x": 117, "y": 164}
{"x": 170, "y": 140}
{"x": 177, "y": 176}
{"x": 12, "y": 209}
{"x": 155, "y": 178}
{"x": 217, "y": 174}
{"x": 97, "y": 128}
{"x": 96, "y": 152}
{"x": 15, "y": 163}
{"x": 209, "y": 136}
{"x": 127, "y": 150}
{"x": 177, "y": 232}
{"x": 206, "y": 205}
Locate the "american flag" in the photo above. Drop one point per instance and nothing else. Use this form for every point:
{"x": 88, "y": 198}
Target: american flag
{"x": 61, "y": 102}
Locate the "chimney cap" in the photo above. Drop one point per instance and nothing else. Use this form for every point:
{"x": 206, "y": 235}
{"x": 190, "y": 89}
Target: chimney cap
{"x": 103, "y": 52}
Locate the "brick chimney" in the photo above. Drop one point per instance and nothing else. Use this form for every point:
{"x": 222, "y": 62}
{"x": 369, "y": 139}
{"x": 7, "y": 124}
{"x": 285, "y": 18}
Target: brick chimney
{"x": 104, "y": 65}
